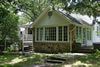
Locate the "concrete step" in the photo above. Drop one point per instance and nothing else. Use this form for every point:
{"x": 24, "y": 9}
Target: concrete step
{"x": 55, "y": 60}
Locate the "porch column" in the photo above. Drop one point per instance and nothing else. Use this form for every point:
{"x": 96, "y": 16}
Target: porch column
{"x": 33, "y": 33}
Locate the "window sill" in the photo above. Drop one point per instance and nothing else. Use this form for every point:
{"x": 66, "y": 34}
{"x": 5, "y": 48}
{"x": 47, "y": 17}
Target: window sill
{"x": 53, "y": 41}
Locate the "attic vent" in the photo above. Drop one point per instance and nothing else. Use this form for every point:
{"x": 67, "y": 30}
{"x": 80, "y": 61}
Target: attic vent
{"x": 50, "y": 13}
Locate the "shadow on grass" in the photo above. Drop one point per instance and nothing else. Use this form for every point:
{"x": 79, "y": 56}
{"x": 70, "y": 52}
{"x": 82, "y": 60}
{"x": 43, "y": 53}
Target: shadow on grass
{"x": 82, "y": 61}
{"x": 7, "y": 60}
{"x": 35, "y": 59}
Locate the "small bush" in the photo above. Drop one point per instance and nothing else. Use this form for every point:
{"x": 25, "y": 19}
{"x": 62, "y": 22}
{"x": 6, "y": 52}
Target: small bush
{"x": 96, "y": 46}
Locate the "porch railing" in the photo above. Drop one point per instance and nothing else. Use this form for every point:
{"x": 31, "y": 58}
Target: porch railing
{"x": 28, "y": 37}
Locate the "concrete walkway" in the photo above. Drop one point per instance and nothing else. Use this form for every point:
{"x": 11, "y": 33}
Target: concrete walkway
{"x": 73, "y": 55}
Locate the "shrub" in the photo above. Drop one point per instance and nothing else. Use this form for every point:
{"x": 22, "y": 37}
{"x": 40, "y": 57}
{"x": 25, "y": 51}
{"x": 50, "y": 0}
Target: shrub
{"x": 96, "y": 46}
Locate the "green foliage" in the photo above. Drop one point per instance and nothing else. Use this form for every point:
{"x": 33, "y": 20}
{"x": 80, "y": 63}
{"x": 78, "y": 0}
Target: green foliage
{"x": 9, "y": 26}
{"x": 90, "y": 8}
{"x": 31, "y": 8}
{"x": 8, "y": 22}
{"x": 97, "y": 54}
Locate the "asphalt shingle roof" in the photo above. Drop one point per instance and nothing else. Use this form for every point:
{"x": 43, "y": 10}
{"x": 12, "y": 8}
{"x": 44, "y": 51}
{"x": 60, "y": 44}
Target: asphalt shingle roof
{"x": 74, "y": 20}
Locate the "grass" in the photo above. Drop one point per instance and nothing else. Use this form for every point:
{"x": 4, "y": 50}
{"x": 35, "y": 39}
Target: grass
{"x": 84, "y": 61}
{"x": 17, "y": 61}
{"x": 92, "y": 60}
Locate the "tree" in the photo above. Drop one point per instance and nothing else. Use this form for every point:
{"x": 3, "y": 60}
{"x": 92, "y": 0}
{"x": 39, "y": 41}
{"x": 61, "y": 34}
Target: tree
{"x": 8, "y": 22}
{"x": 32, "y": 8}
{"x": 84, "y": 7}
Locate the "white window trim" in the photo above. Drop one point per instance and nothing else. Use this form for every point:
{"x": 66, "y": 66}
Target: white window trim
{"x": 80, "y": 41}
{"x": 78, "y": 35}
{"x": 90, "y": 35}
{"x": 56, "y": 34}
{"x": 98, "y": 30}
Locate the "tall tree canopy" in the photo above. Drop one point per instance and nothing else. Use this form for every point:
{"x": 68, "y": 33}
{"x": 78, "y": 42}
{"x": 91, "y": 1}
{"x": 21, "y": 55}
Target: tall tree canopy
{"x": 84, "y": 7}
{"x": 33, "y": 8}
{"x": 8, "y": 21}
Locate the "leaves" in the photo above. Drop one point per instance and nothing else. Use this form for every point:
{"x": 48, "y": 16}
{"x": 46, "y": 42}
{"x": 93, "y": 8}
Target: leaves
{"x": 8, "y": 22}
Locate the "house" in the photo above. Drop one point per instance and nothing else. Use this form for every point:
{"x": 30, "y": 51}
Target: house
{"x": 96, "y": 35}
{"x": 26, "y": 35}
{"x": 56, "y": 31}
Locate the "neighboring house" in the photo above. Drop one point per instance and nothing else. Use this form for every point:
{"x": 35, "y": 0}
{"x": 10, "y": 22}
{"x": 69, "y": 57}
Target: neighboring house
{"x": 57, "y": 31}
{"x": 96, "y": 33}
{"x": 26, "y": 34}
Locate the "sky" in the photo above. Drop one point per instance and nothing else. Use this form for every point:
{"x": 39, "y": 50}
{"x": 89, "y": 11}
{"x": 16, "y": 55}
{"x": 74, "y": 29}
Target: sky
{"x": 20, "y": 13}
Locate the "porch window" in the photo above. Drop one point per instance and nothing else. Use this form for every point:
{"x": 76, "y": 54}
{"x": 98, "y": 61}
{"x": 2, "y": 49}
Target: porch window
{"x": 89, "y": 34}
{"x": 57, "y": 34}
{"x": 37, "y": 34}
{"x": 98, "y": 30}
{"x": 90, "y": 38}
{"x": 78, "y": 33}
{"x": 65, "y": 33}
{"x": 29, "y": 31}
{"x": 60, "y": 33}
{"x": 50, "y": 33}
{"x": 41, "y": 34}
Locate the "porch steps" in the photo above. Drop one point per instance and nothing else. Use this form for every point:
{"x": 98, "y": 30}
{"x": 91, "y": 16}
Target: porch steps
{"x": 55, "y": 60}
{"x": 27, "y": 46}
{"x": 58, "y": 59}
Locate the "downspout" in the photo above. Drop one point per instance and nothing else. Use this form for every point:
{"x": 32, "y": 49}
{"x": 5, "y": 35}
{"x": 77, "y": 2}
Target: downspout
{"x": 71, "y": 38}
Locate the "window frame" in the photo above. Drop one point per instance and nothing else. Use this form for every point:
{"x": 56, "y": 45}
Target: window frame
{"x": 90, "y": 30}
{"x": 89, "y": 34}
{"x": 77, "y": 35}
{"x": 57, "y": 35}
{"x": 98, "y": 30}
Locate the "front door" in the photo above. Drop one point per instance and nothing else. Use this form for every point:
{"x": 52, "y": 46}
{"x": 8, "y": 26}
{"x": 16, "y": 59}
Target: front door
{"x": 84, "y": 37}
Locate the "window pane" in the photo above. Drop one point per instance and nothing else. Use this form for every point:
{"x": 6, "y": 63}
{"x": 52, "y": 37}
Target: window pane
{"x": 60, "y": 33}
{"x": 29, "y": 31}
{"x": 50, "y": 33}
{"x": 41, "y": 33}
{"x": 80, "y": 32}
{"x": 65, "y": 33}
{"x": 37, "y": 34}
{"x": 98, "y": 30}
{"x": 88, "y": 34}
{"x": 76, "y": 33}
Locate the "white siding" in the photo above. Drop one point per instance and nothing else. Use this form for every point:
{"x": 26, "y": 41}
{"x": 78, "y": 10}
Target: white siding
{"x": 96, "y": 39}
{"x": 54, "y": 20}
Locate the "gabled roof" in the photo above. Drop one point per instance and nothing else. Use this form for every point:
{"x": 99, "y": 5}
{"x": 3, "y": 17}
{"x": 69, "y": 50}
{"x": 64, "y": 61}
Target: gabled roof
{"x": 73, "y": 20}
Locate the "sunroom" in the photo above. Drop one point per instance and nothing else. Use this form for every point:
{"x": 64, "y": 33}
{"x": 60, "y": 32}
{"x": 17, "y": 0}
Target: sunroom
{"x": 51, "y": 34}
{"x": 56, "y": 32}
{"x": 84, "y": 36}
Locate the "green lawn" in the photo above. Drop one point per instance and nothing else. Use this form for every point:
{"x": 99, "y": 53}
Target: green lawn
{"x": 14, "y": 61}
{"x": 92, "y": 60}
